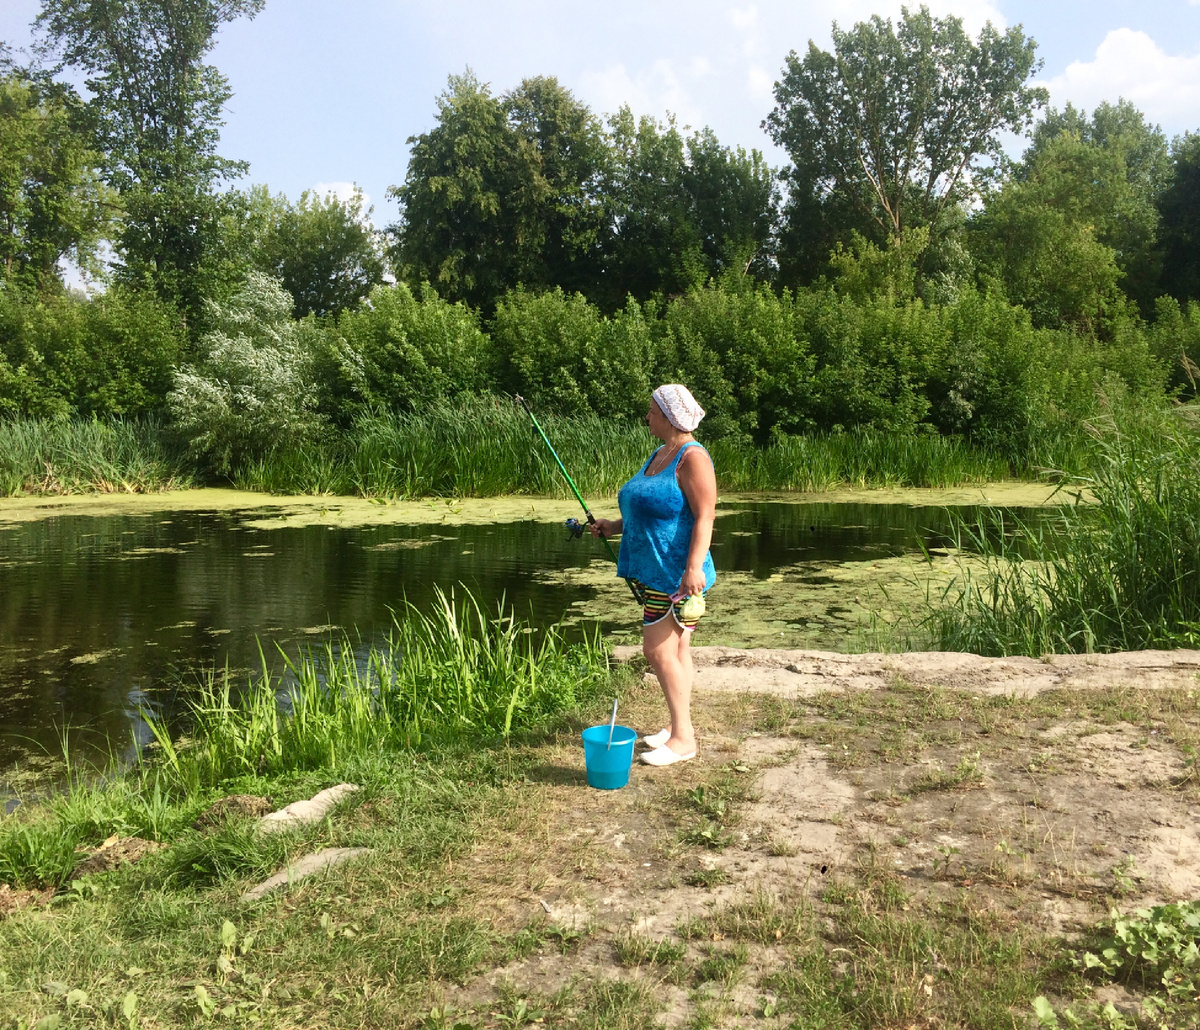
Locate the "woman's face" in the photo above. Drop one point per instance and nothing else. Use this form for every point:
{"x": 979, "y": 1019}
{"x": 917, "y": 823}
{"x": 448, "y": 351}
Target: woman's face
{"x": 657, "y": 421}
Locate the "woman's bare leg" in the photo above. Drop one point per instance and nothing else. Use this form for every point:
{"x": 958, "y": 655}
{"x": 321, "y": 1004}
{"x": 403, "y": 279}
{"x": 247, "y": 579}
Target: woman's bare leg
{"x": 666, "y": 647}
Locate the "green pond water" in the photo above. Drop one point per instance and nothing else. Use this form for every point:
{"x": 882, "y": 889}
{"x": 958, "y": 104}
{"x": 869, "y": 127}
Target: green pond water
{"x": 105, "y": 614}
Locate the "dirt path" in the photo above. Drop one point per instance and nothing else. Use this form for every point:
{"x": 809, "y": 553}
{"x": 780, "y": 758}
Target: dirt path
{"x": 1034, "y": 794}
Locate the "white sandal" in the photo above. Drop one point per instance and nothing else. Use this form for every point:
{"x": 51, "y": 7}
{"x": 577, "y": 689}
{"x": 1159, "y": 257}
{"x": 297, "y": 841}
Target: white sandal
{"x": 657, "y": 739}
{"x": 665, "y": 756}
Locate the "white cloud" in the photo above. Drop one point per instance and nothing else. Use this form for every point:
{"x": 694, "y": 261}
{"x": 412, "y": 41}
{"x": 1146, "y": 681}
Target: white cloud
{"x": 654, "y": 90}
{"x": 342, "y": 190}
{"x": 761, "y": 84}
{"x": 748, "y": 18}
{"x": 1130, "y": 64}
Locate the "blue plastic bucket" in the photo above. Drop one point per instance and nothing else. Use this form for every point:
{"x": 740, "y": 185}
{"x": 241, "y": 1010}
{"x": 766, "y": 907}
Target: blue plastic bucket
{"x": 608, "y": 767}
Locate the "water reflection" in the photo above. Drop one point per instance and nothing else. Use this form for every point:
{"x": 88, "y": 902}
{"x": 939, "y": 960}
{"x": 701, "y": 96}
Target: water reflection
{"x": 101, "y": 617}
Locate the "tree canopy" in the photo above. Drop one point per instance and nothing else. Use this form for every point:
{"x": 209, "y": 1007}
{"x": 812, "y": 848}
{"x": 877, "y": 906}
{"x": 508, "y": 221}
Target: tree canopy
{"x": 156, "y": 111}
{"x": 899, "y": 121}
{"x": 52, "y": 201}
{"x": 1179, "y": 207}
{"x": 1129, "y": 168}
{"x": 530, "y": 188}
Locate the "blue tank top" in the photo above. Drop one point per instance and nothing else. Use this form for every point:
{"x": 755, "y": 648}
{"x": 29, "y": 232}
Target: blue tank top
{"x": 657, "y": 531}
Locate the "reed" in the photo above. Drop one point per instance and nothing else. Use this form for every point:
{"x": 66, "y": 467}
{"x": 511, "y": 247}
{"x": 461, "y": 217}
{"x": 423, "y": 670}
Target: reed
{"x": 486, "y": 448}
{"x": 86, "y": 456}
{"x": 859, "y": 458}
{"x": 453, "y": 673}
{"x": 1120, "y": 574}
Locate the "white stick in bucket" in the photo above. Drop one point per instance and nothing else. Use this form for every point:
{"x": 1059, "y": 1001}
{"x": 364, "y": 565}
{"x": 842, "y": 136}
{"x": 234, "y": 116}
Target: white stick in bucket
{"x": 611, "y": 723}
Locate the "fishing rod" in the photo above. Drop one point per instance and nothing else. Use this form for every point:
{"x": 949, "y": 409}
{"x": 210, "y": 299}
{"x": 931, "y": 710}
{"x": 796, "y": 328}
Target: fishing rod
{"x": 573, "y": 525}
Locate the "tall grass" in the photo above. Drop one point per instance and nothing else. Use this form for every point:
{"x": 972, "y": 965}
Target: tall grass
{"x": 454, "y": 672}
{"x": 83, "y": 456}
{"x": 488, "y": 448}
{"x": 859, "y": 458}
{"x": 1120, "y": 574}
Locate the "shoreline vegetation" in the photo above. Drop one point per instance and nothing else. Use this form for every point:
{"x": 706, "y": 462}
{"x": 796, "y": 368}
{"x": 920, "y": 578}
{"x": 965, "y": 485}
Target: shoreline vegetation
{"x": 487, "y": 453}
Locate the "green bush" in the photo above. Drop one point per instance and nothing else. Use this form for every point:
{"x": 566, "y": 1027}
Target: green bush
{"x": 561, "y": 353}
{"x": 1174, "y": 340}
{"x": 400, "y": 353}
{"x": 65, "y": 354}
{"x": 872, "y": 360}
{"x": 254, "y": 388}
{"x": 742, "y": 350}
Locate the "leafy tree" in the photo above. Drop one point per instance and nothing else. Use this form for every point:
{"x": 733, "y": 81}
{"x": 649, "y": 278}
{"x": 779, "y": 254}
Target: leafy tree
{"x": 685, "y": 210}
{"x": 568, "y": 227}
{"x": 1138, "y": 168}
{"x": 894, "y": 125}
{"x": 323, "y": 251}
{"x": 465, "y": 199}
{"x": 52, "y": 202}
{"x": 1038, "y": 236}
{"x": 657, "y": 246}
{"x": 156, "y": 113}
{"x": 528, "y": 188}
{"x": 1179, "y": 207}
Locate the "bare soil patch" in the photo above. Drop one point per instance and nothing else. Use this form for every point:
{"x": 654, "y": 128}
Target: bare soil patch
{"x": 1030, "y": 795}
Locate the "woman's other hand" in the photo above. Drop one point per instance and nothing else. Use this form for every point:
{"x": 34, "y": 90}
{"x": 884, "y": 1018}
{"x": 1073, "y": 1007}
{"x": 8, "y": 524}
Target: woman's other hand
{"x": 693, "y": 582}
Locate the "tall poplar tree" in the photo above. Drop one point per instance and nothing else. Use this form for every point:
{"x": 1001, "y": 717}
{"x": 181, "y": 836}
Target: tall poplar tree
{"x": 156, "y": 111}
{"x": 896, "y": 126}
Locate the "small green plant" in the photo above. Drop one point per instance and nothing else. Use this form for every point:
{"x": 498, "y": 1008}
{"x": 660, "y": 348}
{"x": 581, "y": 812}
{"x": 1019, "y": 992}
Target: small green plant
{"x": 947, "y": 851}
{"x": 707, "y": 803}
{"x": 708, "y": 834}
{"x": 1159, "y": 944}
{"x": 1124, "y": 877}
{"x": 707, "y": 878}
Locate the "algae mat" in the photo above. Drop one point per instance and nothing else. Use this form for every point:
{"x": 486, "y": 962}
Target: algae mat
{"x": 279, "y": 511}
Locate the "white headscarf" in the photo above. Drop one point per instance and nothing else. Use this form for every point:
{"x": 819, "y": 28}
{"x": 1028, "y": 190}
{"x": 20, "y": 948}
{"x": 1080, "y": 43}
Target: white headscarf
{"x": 679, "y": 406}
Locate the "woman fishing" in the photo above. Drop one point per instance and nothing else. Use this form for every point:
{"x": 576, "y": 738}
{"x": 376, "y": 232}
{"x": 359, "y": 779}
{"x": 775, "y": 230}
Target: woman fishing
{"x": 667, "y": 513}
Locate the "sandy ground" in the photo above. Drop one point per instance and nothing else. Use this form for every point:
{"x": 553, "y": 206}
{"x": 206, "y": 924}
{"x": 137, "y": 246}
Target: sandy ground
{"x": 793, "y": 674}
{"x": 1043, "y": 791}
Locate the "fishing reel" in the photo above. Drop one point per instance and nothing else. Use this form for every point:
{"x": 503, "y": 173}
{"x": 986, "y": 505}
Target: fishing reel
{"x": 575, "y": 529}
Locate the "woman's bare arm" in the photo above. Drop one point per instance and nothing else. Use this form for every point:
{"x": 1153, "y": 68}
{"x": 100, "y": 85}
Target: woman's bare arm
{"x": 698, "y": 482}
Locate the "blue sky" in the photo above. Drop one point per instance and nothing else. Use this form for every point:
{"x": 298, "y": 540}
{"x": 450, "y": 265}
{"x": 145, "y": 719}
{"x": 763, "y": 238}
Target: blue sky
{"x": 326, "y": 94}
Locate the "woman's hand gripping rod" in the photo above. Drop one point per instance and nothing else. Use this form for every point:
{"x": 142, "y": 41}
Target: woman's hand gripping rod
{"x": 637, "y": 594}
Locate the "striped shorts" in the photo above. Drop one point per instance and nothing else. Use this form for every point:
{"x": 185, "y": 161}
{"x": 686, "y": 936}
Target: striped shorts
{"x": 659, "y": 604}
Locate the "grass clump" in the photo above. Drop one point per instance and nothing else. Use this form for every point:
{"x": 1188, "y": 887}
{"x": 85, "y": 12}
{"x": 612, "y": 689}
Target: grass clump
{"x": 87, "y": 455}
{"x": 457, "y": 672}
{"x": 1120, "y": 574}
